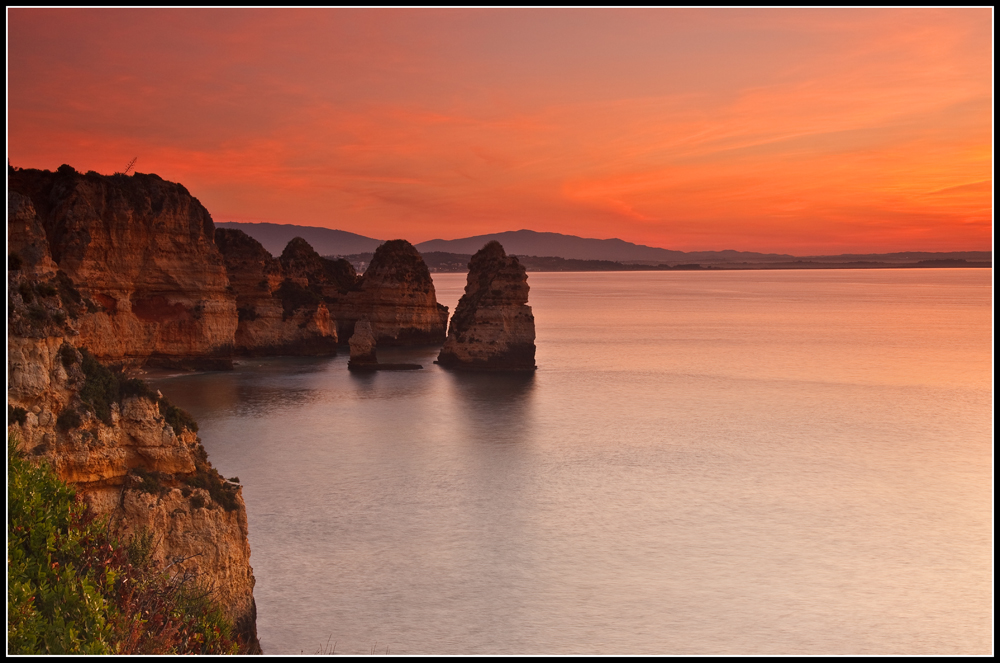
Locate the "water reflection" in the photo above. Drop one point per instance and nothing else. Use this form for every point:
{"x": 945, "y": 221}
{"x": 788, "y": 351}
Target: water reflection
{"x": 498, "y": 389}
{"x": 492, "y": 407}
{"x": 257, "y": 387}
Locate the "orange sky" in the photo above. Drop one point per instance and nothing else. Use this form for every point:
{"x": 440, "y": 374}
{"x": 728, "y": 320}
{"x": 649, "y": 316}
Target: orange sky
{"x": 800, "y": 131}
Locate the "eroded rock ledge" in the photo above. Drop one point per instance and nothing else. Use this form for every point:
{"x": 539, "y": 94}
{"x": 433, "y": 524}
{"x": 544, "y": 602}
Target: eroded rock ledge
{"x": 493, "y": 328}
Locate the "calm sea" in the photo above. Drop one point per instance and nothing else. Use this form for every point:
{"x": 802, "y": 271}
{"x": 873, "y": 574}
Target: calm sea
{"x": 752, "y": 462}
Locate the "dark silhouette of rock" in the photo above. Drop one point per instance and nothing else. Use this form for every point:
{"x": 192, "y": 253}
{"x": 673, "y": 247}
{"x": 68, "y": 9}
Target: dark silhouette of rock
{"x": 493, "y": 328}
{"x": 301, "y": 263}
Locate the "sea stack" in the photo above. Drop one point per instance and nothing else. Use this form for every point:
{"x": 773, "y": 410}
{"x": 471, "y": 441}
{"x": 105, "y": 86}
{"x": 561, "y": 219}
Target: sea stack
{"x": 492, "y": 328}
{"x": 396, "y": 295}
{"x": 362, "y": 346}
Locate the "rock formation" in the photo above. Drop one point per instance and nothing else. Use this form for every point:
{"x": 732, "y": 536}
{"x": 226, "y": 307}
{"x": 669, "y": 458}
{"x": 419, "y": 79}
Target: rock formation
{"x": 26, "y": 243}
{"x": 130, "y": 454}
{"x": 329, "y": 278}
{"x": 362, "y": 346}
{"x": 396, "y": 295}
{"x": 140, "y": 251}
{"x": 363, "y": 357}
{"x": 493, "y": 328}
{"x": 158, "y": 285}
{"x": 280, "y": 304}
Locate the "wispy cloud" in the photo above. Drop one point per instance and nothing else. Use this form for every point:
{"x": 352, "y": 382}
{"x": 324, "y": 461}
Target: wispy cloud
{"x": 756, "y": 129}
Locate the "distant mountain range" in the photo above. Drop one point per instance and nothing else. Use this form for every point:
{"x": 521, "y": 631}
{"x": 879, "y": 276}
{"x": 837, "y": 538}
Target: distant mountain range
{"x": 329, "y": 242}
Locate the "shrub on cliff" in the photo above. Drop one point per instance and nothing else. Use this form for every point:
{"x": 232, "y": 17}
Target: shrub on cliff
{"x": 55, "y": 602}
{"x": 75, "y": 588}
{"x": 103, "y": 387}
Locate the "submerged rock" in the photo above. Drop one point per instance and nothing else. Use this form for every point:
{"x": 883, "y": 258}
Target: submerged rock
{"x": 493, "y": 328}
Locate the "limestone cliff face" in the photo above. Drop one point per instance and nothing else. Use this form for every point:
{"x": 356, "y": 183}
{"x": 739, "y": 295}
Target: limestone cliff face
{"x": 396, "y": 295}
{"x": 493, "y": 328}
{"x": 140, "y": 250}
{"x": 132, "y": 465}
{"x": 26, "y": 240}
{"x": 278, "y": 315}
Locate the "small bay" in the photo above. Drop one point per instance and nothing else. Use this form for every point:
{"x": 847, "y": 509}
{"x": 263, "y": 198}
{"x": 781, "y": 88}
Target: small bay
{"x": 731, "y": 462}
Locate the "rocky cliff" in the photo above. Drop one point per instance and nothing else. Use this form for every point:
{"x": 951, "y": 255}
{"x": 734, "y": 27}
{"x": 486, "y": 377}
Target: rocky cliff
{"x": 396, "y": 295}
{"x": 140, "y": 251}
{"x": 131, "y": 455}
{"x": 493, "y": 328}
{"x": 280, "y": 304}
{"x": 159, "y": 285}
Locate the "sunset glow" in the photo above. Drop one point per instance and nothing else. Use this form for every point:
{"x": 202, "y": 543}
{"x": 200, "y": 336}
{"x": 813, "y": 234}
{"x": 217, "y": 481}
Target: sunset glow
{"x": 800, "y": 131}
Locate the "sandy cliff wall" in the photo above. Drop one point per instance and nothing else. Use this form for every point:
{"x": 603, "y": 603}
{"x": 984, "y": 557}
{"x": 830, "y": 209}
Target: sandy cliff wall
{"x": 141, "y": 252}
{"x": 132, "y": 456}
{"x": 155, "y": 287}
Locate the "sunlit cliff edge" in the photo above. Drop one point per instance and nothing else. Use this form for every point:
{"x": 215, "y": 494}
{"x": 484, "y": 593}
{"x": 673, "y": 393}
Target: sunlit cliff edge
{"x": 111, "y": 273}
{"x": 127, "y": 271}
{"x": 130, "y": 455}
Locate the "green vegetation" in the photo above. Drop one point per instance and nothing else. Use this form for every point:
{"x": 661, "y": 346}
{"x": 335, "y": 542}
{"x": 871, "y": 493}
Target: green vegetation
{"x": 177, "y": 418}
{"x": 103, "y": 387}
{"x": 76, "y": 588}
{"x": 38, "y": 313}
{"x": 71, "y": 298}
{"x": 208, "y": 478}
{"x": 40, "y": 305}
{"x": 152, "y": 482}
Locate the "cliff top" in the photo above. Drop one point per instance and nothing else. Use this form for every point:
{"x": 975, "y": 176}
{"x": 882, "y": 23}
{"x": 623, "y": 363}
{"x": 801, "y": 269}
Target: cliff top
{"x": 398, "y": 258}
{"x": 300, "y": 260}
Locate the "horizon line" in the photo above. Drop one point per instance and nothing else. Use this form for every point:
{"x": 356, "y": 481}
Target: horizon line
{"x": 549, "y": 232}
